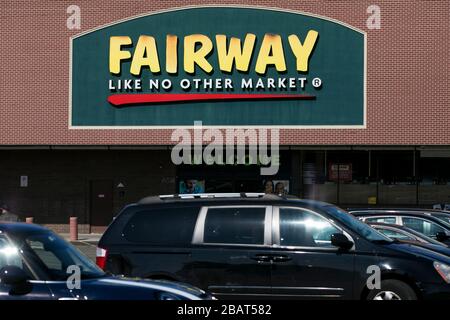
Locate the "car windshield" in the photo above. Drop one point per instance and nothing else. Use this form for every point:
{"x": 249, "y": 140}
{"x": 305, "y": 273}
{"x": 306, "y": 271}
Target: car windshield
{"x": 56, "y": 257}
{"x": 357, "y": 226}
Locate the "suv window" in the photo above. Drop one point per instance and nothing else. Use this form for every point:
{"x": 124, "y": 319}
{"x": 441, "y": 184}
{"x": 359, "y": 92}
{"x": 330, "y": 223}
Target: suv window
{"x": 235, "y": 225}
{"x": 389, "y": 220}
{"x": 423, "y": 226}
{"x": 162, "y": 226}
{"x": 304, "y": 229}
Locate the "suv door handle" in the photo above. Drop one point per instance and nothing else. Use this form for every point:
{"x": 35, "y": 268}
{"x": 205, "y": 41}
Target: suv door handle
{"x": 262, "y": 258}
{"x": 281, "y": 258}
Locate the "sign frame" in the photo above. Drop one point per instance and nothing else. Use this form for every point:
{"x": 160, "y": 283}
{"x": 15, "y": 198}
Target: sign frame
{"x": 150, "y": 127}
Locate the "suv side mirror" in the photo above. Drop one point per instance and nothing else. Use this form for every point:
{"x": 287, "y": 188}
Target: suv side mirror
{"x": 442, "y": 236}
{"x": 341, "y": 241}
{"x": 13, "y": 276}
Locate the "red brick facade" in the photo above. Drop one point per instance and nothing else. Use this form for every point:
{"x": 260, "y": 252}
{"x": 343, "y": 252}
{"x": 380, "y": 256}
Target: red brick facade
{"x": 408, "y": 101}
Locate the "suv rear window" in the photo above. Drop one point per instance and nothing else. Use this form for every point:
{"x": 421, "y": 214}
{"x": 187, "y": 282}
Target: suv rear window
{"x": 235, "y": 225}
{"x": 162, "y": 226}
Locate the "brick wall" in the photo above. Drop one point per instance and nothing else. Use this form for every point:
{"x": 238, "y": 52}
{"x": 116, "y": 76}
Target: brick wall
{"x": 64, "y": 228}
{"x": 408, "y": 71}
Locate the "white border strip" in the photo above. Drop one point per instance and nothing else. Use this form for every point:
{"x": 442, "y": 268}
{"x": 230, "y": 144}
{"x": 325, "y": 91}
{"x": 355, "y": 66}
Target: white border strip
{"x": 363, "y": 126}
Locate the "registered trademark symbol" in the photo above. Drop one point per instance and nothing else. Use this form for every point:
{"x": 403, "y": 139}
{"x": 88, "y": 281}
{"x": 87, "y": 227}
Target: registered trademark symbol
{"x": 317, "y": 83}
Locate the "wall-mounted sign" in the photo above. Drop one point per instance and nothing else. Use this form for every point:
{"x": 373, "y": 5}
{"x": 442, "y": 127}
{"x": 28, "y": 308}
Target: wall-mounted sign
{"x": 225, "y": 66}
{"x": 23, "y": 181}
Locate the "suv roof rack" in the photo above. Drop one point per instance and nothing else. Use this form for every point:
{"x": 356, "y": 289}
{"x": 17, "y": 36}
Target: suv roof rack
{"x": 212, "y": 195}
{"x": 242, "y": 195}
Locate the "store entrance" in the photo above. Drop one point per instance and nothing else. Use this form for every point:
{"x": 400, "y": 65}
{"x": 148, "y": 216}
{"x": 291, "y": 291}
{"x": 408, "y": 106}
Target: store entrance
{"x": 101, "y": 204}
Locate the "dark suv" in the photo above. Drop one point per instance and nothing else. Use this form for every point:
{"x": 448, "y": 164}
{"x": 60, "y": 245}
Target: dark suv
{"x": 256, "y": 246}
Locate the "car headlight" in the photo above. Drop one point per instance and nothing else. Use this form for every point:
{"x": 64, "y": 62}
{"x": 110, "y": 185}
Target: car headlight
{"x": 443, "y": 270}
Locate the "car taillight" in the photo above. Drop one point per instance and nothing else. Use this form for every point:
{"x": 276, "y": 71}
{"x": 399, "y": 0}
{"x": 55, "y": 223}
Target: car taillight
{"x": 100, "y": 259}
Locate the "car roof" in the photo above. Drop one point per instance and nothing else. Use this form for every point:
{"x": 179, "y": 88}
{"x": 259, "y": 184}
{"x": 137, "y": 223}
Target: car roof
{"x": 373, "y": 212}
{"x": 19, "y": 227}
{"x": 408, "y": 210}
{"x": 396, "y": 212}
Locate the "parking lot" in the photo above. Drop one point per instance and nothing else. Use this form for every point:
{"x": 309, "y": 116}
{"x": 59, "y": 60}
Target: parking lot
{"x": 252, "y": 245}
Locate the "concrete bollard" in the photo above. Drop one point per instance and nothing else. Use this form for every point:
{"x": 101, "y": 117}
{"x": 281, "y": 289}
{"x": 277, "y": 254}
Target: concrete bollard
{"x": 29, "y": 219}
{"x": 73, "y": 228}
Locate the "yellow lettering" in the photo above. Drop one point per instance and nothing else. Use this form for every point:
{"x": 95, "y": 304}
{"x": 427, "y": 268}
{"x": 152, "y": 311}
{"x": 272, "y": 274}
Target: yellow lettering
{"x": 271, "y": 53}
{"x": 302, "y": 52}
{"x": 193, "y": 57}
{"x": 231, "y": 53}
{"x": 235, "y": 53}
{"x": 171, "y": 54}
{"x": 116, "y": 55}
{"x": 145, "y": 54}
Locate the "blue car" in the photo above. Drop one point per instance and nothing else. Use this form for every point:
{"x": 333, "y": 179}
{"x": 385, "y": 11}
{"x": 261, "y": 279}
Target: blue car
{"x": 36, "y": 264}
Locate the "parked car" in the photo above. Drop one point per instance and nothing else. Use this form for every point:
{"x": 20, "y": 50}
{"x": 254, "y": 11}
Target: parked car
{"x": 407, "y": 235}
{"x": 395, "y": 231}
{"x": 266, "y": 246}
{"x": 439, "y": 214}
{"x": 36, "y": 264}
{"x": 422, "y": 221}
{"x": 442, "y": 215}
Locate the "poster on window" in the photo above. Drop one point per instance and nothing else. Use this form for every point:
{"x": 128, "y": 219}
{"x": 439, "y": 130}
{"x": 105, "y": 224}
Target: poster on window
{"x": 191, "y": 186}
{"x": 340, "y": 172}
{"x": 280, "y": 187}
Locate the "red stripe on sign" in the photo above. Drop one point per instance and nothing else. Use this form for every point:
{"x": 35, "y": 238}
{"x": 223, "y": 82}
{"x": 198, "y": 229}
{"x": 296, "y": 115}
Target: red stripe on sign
{"x": 154, "y": 98}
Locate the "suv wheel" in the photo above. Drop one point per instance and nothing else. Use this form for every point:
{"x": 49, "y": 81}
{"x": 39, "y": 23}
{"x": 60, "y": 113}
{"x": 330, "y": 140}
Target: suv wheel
{"x": 392, "y": 290}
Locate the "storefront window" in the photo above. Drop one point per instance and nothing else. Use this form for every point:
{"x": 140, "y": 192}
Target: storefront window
{"x": 315, "y": 183}
{"x": 343, "y": 177}
{"x": 434, "y": 178}
{"x": 351, "y": 169}
{"x": 394, "y": 171}
{"x": 235, "y": 178}
{"x": 360, "y": 177}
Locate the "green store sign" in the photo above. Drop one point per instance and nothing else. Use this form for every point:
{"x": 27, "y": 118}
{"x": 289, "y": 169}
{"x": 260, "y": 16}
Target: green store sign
{"x": 224, "y": 66}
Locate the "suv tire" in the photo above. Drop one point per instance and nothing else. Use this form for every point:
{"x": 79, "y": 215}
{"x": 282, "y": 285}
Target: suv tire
{"x": 392, "y": 290}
